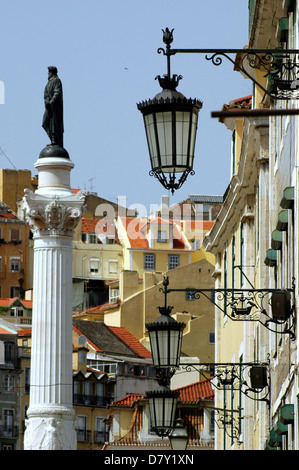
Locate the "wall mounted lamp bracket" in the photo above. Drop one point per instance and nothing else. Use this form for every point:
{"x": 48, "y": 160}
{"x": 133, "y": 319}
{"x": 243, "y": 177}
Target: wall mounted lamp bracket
{"x": 280, "y": 66}
{"x": 272, "y": 308}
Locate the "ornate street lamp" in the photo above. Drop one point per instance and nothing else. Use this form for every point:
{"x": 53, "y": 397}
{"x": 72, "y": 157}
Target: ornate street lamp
{"x": 162, "y": 408}
{"x": 179, "y": 436}
{"x": 165, "y": 335}
{"x": 170, "y": 121}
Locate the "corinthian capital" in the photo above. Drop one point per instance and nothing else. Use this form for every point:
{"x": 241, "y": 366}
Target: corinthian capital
{"x": 52, "y": 214}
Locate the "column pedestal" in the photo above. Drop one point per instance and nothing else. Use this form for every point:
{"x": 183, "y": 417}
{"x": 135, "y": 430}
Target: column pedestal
{"x": 52, "y": 211}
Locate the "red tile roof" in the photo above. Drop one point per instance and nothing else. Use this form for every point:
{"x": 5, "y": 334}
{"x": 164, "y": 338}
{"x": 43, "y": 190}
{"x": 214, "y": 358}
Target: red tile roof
{"x": 189, "y": 394}
{"x": 133, "y": 228}
{"x": 89, "y": 225}
{"x": 196, "y": 392}
{"x": 137, "y": 229}
{"x": 129, "y": 400}
{"x": 7, "y": 215}
{"x": 24, "y": 332}
{"x": 6, "y": 332}
{"x": 130, "y": 340}
{"x": 7, "y": 302}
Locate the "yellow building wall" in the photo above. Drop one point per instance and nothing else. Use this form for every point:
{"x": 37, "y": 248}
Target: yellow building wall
{"x": 161, "y": 260}
{"x": 9, "y": 250}
{"x": 107, "y": 255}
{"x": 12, "y": 185}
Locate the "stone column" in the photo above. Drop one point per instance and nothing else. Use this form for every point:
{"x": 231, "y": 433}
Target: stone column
{"x": 52, "y": 211}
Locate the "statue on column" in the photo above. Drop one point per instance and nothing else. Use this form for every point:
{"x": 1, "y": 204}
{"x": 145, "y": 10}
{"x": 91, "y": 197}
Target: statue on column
{"x": 53, "y": 115}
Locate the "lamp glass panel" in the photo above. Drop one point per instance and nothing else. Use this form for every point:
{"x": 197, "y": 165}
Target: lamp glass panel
{"x": 166, "y": 346}
{"x": 162, "y": 411}
{"x": 151, "y": 139}
{"x": 182, "y": 136}
{"x": 179, "y": 443}
{"x": 164, "y": 130}
{"x": 193, "y": 137}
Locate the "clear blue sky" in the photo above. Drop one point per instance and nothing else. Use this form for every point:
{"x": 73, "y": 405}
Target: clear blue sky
{"x": 106, "y": 54}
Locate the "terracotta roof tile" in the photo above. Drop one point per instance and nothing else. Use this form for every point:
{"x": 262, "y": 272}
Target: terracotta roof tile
{"x": 25, "y": 332}
{"x": 6, "y": 332}
{"x": 196, "y": 391}
{"x": 137, "y": 229}
{"x": 7, "y": 302}
{"x": 89, "y": 225}
{"x": 188, "y": 394}
{"x": 130, "y": 340}
{"x": 129, "y": 400}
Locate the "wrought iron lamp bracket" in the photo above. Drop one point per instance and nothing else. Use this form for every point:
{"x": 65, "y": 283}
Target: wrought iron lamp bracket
{"x": 245, "y": 305}
{"x": 233, "y": 376}
{"x": 281, "y": 66}
{"x": 229, "y": 420}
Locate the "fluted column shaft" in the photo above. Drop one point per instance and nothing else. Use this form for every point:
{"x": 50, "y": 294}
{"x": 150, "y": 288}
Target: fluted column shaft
{"x": 52, "y": 212}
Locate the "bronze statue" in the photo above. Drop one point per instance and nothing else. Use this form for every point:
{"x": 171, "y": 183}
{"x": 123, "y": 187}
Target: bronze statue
{"x": 53, "y": 115}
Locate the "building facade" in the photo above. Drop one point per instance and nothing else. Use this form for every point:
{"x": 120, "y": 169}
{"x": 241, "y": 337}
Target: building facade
{"x": 255, "y": 243}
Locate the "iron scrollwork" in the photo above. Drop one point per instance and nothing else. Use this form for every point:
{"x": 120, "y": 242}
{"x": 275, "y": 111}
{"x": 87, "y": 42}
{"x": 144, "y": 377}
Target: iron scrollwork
{"x": 281, "y": 66}
{"x": 250, "y": 305}
{"x": 252, "y": 378}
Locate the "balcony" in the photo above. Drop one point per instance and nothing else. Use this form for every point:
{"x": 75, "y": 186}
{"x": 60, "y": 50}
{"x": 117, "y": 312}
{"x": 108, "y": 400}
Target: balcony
{"x": 9, "y": 431}
{"x": 91, "y": 400}
{"x": 83, "y": 435}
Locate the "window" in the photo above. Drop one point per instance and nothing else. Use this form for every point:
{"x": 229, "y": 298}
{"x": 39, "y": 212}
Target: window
{"x": 8, "y": 348}
{"x": 94, "y": 265}
{"x": 82, "y": 357}
{"x": 27, "y": 380}
{"x": 13, "y": 291}
{"x": 9, "y": 382}
{"x": 173, "y": 261}
{"x": 90, "y": 238}
{"x": 0, "y": 263}
{"x": 8, "y": 423}
{"x": 113, "y": 266}
{"x": 14, "y": 234}
{"x": 113, "y": 295}
{"x": 162, "y": 236}
{"x": 15, "y": 264}
{"x": 212, "y": 337}
{"x": 100, "y": 430}
{"x": 82, "y": 434}
{"x": 17, "y": 312}
{"x": 149, "y": 261}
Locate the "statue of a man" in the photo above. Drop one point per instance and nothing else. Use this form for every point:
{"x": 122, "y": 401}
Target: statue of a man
{"x": 53, "y": 115}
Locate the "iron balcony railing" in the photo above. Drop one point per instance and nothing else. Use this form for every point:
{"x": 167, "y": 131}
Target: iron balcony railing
{"x": 9, "y": 431}
{"x": 91, "y": 400}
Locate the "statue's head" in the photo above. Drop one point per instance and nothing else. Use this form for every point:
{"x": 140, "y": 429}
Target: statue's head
{"x": 52, "y": 70}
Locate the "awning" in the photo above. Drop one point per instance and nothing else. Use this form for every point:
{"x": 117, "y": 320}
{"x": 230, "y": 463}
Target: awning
{"x": 287, "y": 414}
{"x": 276, "y": 240}
{"x": 287, "y": 200}
{"x": 282, "y": 220}
{"x": 271, "y": 258}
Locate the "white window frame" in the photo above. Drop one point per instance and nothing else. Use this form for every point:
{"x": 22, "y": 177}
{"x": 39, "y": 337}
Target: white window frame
{"x": 110, "y": 266}
{"x": 94, "y": 270}
{"x": 15, "y": 264}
